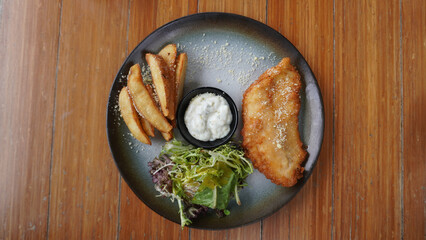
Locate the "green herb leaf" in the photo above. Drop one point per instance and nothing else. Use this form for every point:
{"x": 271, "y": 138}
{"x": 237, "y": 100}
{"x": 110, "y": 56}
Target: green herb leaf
{"x": 206, "y": 177}
{"x": 218, "y": 196}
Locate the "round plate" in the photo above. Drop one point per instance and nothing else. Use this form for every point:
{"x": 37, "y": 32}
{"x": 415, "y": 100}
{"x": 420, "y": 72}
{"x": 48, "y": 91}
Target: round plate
{"x": 228, "y": 52}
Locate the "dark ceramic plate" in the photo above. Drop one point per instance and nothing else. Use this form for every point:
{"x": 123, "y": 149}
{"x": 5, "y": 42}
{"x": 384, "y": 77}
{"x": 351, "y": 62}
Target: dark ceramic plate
{"x": 228, "y": 52}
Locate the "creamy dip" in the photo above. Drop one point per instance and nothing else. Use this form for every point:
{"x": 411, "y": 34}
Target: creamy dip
{"x": 208, "y": 117}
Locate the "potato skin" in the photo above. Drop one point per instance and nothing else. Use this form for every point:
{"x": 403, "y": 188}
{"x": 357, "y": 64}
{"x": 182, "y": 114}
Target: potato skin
{"x": 181, "y": 65}
{"x": 131, "y": 117}
{"x": 164, "y": 84}
{"x": 143, "y": 101}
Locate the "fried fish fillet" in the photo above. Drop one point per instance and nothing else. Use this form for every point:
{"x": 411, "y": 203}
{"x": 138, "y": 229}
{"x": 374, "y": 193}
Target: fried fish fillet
{"x": 270, "y": 116}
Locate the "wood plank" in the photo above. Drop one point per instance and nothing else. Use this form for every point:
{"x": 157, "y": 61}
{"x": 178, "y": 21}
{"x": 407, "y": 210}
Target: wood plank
{"x": 145, "y": 17}
{"x": 368, "y": 120}
{"x": 85, "y": 181}
{"x": 197, "y": 234}
{"x": 137, "y": 221}
{"x": 28, "y": 50}
{"x": 308, "y": 24}
{"x": 414, "y": 118}
{"x": 277, "y": 226}
{"x": 255, "y": 9}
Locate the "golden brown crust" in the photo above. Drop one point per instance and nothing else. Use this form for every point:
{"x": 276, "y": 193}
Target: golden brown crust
{"x": 270, "y": 117}
{"x": 147, "y": 127}
{"x": 131, "y": 117}
{"x": 182, "y": 62}
{"x": 169, "y": 54}
{"x": 164, "y": 84}
{"x": 166, "y": 135}
{"x": 143, "y": 102}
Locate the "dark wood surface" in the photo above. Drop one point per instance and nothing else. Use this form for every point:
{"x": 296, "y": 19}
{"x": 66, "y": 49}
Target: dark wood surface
{"x": 58, "y": 60}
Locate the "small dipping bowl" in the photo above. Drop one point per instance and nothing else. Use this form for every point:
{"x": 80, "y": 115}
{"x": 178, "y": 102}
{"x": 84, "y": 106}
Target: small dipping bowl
{"x": 183, "y": 105}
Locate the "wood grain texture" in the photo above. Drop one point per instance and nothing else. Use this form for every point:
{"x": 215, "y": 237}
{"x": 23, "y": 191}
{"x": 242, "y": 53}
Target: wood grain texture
{"x": 277, "y": 226}
{"x": 255, "y": 9}
{"x": 311, "y": 31}
{"x": 85, "y": 181}
{"x": 137, "y": 221}
{"x": 368, "y": 120}
{"x": 414, "y": 118}
{"x": 147, "y": 16}
{"x": 73, "y": 49}
{"x": 28, "y": 50}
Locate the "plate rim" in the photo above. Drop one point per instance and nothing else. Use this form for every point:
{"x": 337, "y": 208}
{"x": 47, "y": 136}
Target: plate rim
{"x": 300, "y": 184}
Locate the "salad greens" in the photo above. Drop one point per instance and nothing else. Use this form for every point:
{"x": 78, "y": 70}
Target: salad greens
{"x": 198, "y": 178}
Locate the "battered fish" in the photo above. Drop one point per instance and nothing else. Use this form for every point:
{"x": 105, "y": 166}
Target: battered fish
{"x": 270, "y": 116}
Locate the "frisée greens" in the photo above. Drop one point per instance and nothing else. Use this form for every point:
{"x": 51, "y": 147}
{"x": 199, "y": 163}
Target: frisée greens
{"x": 198, "y": 178}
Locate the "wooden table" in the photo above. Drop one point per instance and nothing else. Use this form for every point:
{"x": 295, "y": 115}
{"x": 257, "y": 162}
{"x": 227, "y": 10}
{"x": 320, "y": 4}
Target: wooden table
{"x": 58, "y": 60}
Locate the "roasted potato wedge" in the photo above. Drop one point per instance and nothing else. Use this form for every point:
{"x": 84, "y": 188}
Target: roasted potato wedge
{"x": 164, "y": 85}
{"x": 182, "y": 62}
{"x": 169, "y": 53}
{"x": 131, "y": 117}
{"x": 166, "y": 135}
{"x": 147, "y": 127}
{"x": 153, "y": 95}
{"x": 143, "y": 101}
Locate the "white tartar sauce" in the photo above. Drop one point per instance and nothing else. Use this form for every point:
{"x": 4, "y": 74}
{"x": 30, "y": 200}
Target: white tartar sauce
{"x": 208, "y": 117}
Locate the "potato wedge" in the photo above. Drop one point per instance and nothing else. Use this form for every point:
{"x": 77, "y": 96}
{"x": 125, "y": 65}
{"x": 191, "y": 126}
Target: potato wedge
{"x": 153, "y": 95}
{"x": 147, "y": 127}
{"x": 182, "y": 62}
{"x": 131, "y": 117}
{"x": 173, "y": 123}
{"x": 169, "y": 53}
{"x": 164, "y": 85}
{"x": 143, "y": 101}
{"x": 166, "y": 135}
